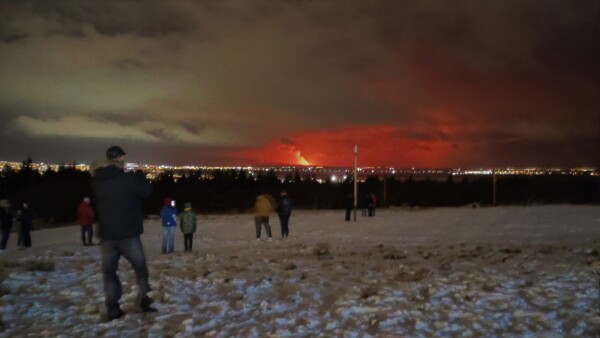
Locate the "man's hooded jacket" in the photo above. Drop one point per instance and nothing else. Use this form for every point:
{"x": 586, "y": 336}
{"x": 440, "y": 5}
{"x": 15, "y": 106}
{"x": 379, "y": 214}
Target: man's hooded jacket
{"x": 118, "y": 197}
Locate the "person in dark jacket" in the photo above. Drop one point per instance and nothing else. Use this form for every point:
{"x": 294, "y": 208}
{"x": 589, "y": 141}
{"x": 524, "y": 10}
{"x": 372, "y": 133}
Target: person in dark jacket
{"x": 367, "y": 205}
{"x": 6, "y": 222}
{"x": 17, "y": 228}
{"x": 118, "y": 197}
{"x": 373, "y": 205}
{"x": 85, "y": 218}
{"x": 349, "y": 206}
{"x": 25, "y": 220}
{"x": 284, "y": 210}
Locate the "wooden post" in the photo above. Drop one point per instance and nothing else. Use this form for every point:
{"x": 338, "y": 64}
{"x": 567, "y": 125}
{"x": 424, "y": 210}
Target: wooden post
{"x": 494, "y": 189}
{"x": 384, "y": 189}
{"x": 355, "y": 180}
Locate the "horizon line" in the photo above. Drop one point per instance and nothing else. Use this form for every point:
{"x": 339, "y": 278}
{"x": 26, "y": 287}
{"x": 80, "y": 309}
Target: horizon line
{"x": 299, "y": 166}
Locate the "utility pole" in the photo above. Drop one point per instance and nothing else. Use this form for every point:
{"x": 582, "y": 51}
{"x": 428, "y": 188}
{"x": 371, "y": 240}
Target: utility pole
{"x": 494, "y": 189}
{"x": 355, "y": 180}
{"x": 384, "y": 189}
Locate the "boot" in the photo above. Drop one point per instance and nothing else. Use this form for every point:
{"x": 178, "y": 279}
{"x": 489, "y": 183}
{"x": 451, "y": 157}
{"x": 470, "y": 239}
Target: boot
{"x": 116, "y": 315}
{"x": 145, "y": 305}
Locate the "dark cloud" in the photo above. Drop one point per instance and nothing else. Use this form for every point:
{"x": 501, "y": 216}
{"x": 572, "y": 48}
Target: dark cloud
{"x": 215, "y": 75}
{"x": 147, "y": 19}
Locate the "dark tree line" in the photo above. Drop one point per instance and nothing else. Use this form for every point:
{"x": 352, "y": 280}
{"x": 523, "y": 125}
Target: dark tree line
{"x": 54, "y": 196}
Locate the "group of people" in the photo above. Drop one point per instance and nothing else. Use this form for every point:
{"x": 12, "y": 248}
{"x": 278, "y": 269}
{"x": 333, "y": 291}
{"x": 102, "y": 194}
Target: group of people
{"x": 118, "y": 197}
{"x": 264, "y": 205}
{"x": 368, "y": 206}
{"x": 169, "y": 215}
{"x": 187, "y": 225}
{"x": 20, "y": 221}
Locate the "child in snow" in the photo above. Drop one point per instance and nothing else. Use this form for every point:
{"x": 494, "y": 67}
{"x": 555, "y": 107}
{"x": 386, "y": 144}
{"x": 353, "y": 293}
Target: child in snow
{"x": 169, "y": 221}
{"x": 187, "y": 223}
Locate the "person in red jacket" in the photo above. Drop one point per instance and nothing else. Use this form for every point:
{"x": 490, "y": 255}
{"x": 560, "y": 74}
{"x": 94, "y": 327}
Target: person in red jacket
{"x": 85, "y": 218}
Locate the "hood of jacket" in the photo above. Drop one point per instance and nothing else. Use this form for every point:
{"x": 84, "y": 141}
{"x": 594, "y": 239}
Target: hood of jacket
{"x": 4, "y": 204}
{"x": 105, "y": 168}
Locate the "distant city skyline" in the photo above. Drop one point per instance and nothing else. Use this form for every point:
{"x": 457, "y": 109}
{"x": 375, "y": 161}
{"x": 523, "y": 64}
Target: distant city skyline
{"x": 467, "y": 83}
{"x": 381, "y": 169}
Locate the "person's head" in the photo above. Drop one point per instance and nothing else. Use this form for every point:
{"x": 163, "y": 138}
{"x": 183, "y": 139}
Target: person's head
{"x": 167, "y": 202}
{"x": 25, "y": 206}
{"x": 115, "y": 153}
{"x": 283, "y": 193}
{"x": 86, "y": 200}
{"x": 4, "y": 204}
{"x": 187, "y": 206}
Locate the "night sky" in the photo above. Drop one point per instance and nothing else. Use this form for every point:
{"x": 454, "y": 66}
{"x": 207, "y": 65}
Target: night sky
{"x": 414, "y": 83}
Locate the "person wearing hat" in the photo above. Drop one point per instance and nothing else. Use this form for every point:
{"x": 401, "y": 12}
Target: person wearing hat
{"x": 118, "y": 197}
{"x": 85, "y": 218}
{"x": 187, "y": 223}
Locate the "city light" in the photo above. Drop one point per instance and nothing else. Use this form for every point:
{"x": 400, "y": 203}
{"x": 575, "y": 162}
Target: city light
{"x": 320, "y": 174}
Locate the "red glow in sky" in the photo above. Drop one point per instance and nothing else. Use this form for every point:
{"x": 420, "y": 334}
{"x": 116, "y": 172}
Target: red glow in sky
{"x": 378, "y": 146}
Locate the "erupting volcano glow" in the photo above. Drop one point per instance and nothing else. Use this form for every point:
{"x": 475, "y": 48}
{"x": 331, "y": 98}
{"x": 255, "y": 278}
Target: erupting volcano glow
{"x": 301, "y": 159}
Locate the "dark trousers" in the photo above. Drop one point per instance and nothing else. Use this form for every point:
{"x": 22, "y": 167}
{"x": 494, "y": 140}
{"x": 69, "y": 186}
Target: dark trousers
{"x": 348, "y": 212}
{"x": 5, "y": 235}
{"x": 25, "y": 238}
{"x": 111, "y": 252}
{"x": 371, "y": 211}
{"x": 87, "y": 232}
{"x": 284, "y": 220}
{"x": 188, "y": 240}
{"x": 258, "y": 222}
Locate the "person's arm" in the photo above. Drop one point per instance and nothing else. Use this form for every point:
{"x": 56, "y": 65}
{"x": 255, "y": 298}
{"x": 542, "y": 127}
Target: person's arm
{"x": 143, "y": 188}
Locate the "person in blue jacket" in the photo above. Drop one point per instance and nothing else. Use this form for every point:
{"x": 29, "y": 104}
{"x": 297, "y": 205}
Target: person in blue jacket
{"x": 168, "y": 213}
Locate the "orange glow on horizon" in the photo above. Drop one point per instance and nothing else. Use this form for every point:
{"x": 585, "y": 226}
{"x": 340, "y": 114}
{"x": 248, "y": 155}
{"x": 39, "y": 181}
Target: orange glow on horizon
{"x": 274, "y": 152}
{"x": 435, "y": 144}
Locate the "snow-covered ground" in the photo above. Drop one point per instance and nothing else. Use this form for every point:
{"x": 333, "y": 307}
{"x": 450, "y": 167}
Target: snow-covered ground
{"x": 506, "y": 271}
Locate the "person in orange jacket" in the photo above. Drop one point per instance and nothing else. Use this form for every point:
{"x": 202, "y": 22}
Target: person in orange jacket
{"x": 263, "y": 206}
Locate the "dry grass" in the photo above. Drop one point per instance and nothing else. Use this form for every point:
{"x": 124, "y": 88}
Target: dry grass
{"x": 416, "y": 276}
{"x": 39, "y": 266}
{"x": 321, "y": 249}
{"x": 6, "y": 267}
{"x": 369, "y": 291}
